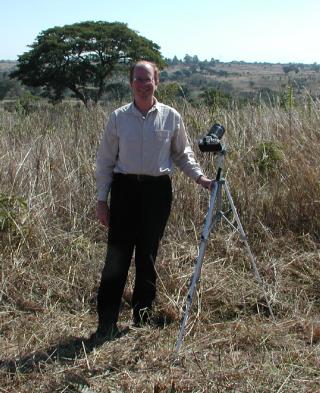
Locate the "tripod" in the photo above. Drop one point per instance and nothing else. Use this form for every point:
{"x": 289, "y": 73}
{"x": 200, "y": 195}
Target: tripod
{"x": 213, "y": 217}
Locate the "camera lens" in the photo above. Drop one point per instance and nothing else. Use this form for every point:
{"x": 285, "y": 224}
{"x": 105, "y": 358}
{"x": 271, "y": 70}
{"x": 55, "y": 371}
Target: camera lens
{"x": 216, "y": 130}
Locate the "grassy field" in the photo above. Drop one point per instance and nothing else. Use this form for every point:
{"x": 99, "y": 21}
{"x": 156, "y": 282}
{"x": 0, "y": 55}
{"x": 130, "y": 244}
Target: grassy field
{"x": 52, "y": 252}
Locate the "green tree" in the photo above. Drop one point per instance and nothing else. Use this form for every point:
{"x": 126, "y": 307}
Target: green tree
{"x": 175, "y": 60}
{"x": 82, "y": 57}
{"x": 195, "y": 59}
{"x": 187, "y": 59}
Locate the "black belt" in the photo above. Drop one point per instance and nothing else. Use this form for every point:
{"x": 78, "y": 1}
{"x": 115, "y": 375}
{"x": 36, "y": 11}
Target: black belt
{"x": 140, "y": 178}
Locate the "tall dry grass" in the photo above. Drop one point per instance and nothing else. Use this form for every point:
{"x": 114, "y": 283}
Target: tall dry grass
{"x": 52, "y": 252}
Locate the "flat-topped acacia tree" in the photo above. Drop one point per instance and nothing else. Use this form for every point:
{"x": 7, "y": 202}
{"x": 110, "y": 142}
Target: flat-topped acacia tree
{"x": 82, "y": 57}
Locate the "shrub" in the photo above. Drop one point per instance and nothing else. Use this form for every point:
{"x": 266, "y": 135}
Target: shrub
{"x": 268, "y": 155}
{"x": 13, "y": 217}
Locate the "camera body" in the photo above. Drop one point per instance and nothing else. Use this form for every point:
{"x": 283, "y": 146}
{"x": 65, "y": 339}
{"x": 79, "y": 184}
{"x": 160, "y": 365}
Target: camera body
{"x": 211, "y": 142}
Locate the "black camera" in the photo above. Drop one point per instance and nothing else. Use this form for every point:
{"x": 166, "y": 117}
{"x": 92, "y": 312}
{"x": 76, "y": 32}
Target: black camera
{"x": 211, "y": 142}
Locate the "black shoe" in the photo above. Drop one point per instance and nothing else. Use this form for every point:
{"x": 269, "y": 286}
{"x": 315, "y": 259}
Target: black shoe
{"x": 104, "y": 334}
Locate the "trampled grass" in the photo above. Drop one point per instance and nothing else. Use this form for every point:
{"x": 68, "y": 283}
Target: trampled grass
{"x": 52, "y": 252}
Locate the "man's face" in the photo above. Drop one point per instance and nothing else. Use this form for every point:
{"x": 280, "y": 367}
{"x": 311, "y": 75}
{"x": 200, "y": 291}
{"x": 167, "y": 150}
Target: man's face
{"x": 143, "y": 84}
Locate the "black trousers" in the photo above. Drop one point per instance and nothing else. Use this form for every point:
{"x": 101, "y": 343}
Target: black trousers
{"x": 139, "y": 210}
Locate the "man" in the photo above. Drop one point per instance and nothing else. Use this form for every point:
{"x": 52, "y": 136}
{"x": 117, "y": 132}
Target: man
{"x": 141, "y": 142}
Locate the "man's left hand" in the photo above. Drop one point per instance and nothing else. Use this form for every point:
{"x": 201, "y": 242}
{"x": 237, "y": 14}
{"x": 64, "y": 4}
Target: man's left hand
{"x": 205, "y": 182}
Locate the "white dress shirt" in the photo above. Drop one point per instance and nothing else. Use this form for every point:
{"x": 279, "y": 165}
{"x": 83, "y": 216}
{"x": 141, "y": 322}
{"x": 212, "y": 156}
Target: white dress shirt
{"x": 143, "y": 145}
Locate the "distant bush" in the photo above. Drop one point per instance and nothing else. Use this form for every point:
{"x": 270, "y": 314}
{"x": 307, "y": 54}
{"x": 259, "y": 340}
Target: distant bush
{"x": 13, "y": 217}
{"x": 290, "y": 68}
{"x": 9, "y": 88}
{"x": 170, "y": 92}
{"x": 268, "y": 155}
{"x": 27, "y": 103}
{"x": 214, "y": 98}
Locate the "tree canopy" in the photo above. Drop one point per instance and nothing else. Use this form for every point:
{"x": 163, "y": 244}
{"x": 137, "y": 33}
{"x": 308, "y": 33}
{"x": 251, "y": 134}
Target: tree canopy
{"x": 82, "y": 57}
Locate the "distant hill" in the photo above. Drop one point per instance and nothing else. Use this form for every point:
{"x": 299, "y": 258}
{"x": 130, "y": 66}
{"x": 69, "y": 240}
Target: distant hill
{"x": 236, "y": 78}
{"x": 246, "y": 79}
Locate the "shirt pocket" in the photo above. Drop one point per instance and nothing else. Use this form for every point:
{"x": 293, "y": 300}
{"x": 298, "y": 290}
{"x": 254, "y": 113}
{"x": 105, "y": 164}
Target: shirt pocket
{"x": 163, "y": 136}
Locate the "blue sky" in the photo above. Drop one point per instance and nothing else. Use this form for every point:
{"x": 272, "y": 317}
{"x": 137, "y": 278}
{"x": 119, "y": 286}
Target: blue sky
{"x": 249, "y": 30}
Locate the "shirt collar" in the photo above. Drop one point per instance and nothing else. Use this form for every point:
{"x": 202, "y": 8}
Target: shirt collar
{"x": 135, "y": 110}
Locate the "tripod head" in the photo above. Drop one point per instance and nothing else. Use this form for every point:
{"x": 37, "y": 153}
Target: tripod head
{"x": 211, "y": 143}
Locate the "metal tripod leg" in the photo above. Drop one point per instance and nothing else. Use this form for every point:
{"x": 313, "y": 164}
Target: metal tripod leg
{"x": 215, "y": 206}
{"x": 210, "y": 222}
{"x": 245, "y": 241}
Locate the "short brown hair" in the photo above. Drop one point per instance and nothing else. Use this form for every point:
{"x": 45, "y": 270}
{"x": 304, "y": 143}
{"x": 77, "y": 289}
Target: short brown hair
{"x": 145, "y": 62}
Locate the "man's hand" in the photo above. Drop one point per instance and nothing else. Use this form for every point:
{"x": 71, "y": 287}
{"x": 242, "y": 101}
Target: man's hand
{"x": 103, "y": 213}
{"x": 205, "y": 182}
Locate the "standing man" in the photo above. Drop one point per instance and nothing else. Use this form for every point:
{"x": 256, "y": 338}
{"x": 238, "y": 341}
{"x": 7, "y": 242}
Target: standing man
{"x": 141, "y": 142}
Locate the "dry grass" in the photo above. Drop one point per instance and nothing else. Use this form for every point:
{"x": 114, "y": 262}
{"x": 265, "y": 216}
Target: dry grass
{"x": 52, "y": 252}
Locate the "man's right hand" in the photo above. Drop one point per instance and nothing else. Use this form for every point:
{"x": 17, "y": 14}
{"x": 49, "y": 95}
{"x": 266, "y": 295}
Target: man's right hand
{"x": 103, "y": 213}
